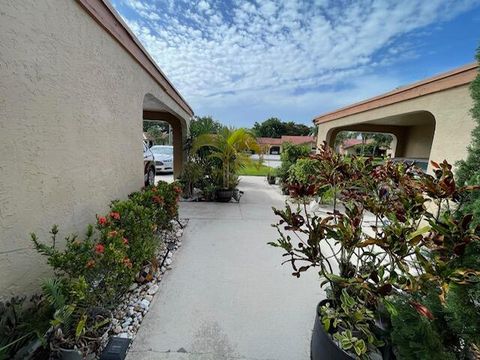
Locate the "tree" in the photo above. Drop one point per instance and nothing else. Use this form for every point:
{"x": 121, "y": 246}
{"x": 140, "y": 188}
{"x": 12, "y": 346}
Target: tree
{"x": 231, "y": 147}
{"x": 272, "y": 127}
{"x": 468, "y": 170}
{"x": 204, "y": 125}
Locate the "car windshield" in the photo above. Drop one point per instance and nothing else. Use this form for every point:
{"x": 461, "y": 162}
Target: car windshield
{"x": 164, "y": 150}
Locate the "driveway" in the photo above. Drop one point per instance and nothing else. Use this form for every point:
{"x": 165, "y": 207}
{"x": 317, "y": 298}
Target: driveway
{"x": 227, "y": 296}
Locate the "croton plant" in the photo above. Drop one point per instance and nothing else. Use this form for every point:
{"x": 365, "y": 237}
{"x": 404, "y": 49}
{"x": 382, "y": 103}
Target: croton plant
{"x": 393, "y": 243}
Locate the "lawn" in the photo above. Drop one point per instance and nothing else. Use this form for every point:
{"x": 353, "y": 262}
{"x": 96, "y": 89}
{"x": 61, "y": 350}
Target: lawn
{"x": 255, "y": 170}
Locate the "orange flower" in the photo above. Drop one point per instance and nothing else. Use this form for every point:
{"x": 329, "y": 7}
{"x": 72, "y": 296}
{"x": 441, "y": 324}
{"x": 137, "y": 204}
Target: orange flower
{"x": 102, "y": 220}
{"x": 125, "y": 241}
{"x": 90, "y": 264}
{"x": 99, "y": 248}
{"x": 158, "y": 199}
{"x": 115, "y": 215}
{"x": 127, "y": 262}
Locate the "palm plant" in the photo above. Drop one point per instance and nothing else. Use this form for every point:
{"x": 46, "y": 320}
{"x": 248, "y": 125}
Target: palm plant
{"x": 231, "y": 147}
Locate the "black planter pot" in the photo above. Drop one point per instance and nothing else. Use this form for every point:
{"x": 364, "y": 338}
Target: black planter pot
{"x": 322, "y": 346}
{"x": 224, "y": 195}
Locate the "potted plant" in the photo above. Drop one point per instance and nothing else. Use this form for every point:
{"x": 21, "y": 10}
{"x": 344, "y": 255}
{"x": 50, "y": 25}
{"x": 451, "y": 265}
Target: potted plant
{"x": 77, "y": 329}
{"x": 371, "y": 252}
{"x": 231, "y": 148}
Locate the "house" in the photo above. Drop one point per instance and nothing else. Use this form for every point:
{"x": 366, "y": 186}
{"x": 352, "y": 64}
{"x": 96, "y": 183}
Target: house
{"x": 76, "y": 87}
{"x": 273, "y": 146}
{"x": 429, "y": 119}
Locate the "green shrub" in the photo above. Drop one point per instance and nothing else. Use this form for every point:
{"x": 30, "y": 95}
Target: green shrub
{"x": 468, "y": 170}
{"x": 290, "y": 154}
{"x": 93, "y": 272}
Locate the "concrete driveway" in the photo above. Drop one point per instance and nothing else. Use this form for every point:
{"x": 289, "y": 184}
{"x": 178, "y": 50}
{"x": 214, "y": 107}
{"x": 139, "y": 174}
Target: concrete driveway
{"x": 227, "y": 296}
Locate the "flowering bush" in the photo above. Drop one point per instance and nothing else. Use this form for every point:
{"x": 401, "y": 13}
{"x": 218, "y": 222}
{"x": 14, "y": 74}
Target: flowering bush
{"x": 94, "y": 271}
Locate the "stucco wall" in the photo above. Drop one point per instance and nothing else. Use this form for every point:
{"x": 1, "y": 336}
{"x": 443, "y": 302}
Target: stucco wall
{"x": 419, "y": 141}
{"x": 453, "y": 122}
{"x": 70, "y": 128}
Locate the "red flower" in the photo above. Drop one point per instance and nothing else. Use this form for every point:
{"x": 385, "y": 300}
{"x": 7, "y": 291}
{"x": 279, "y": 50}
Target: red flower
{"x": 112, "y": 233}
{"x": 125, "y": 241}
{"x": 90, "y": 264}
{"x": 99, "y": 248}
{"x": 177, "y": 189}
{"x": 422, "y": 310}
{"x": 115, "y": 215}
{"x": 102, "y": 220}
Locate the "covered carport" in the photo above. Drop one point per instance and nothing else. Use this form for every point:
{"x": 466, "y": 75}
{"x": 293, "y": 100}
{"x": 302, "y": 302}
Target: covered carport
{"x": 429, "y": 119}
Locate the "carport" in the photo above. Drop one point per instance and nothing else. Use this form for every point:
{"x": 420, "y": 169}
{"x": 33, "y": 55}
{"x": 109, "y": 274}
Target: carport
{"x": 429, "y": 119}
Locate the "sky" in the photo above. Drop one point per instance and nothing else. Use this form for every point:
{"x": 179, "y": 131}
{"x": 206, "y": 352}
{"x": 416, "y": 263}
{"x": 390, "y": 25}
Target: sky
{"x": 245, "y": 61}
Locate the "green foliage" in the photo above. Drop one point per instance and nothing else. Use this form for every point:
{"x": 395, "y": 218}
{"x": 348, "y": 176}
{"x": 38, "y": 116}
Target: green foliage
{"x": 275, "y": 128}
{"x": 231, "y": 147}
{"x": 22, "y": 321}
{"x": 468, "y": 170}
{"x": 302, "y": 170}
{"x": 91, "y": 274}
{"x": 204, "y": 125}
{"x": 350, "y": 315}
{"x": 290, "y": 154}
{"x": 416, "y": 337}
{"x": 191, "y": 177}
{"x": 435, "y": 268}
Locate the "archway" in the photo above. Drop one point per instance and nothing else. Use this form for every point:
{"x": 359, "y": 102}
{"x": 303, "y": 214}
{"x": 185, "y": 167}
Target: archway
{"x": 155, "y": 110}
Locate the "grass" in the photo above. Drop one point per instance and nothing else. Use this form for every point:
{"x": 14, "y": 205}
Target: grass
{"x": 256, "y": 170}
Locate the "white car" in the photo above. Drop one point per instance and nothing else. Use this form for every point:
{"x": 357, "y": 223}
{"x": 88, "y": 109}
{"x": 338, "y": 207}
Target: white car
{"x": 163, "y": 158}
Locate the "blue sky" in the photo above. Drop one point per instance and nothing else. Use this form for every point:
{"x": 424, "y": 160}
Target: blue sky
{"x": 246, "y": 61}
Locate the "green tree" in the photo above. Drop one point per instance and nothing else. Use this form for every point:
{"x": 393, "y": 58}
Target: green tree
{"x": 231, "y": 147}
{"x": 275, "y": 128}
{"x": 204, "y": 125}
{"x": 272, "y": 127}
{"x": 468, "y": 170}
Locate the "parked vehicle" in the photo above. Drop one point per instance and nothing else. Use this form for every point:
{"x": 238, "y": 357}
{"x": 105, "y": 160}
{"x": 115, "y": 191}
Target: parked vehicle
{"x": 148, "y": 165}
{"x": 163, "y": 158}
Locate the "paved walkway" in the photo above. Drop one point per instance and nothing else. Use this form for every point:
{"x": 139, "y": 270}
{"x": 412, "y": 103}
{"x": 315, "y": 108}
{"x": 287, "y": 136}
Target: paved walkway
{"x": 227, "y": 296}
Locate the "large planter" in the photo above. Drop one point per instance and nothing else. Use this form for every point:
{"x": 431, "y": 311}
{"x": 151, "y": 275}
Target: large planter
{"x": 322, "y": 346}
{"x": 224, "y": 195}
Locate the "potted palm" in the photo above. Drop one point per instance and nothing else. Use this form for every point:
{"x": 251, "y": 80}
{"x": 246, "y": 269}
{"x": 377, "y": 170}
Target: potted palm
{"x": 231, "y": 148}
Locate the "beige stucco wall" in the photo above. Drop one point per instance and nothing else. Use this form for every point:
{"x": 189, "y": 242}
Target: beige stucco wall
{"x": 419, "y": 142}
{"x": 453, "y": 123}
{"x": 70, "y": 128}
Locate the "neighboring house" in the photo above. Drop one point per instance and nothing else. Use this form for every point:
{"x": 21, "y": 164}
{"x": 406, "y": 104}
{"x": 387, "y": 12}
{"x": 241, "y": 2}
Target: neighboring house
{"x": 76, "y": 86}
{"x": 429, "y": 119}
{"x": 355, "y": 147}
{"x": 274, "y": 146}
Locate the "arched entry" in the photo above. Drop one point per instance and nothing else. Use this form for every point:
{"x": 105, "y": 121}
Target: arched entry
{"x": 155, "y": 110}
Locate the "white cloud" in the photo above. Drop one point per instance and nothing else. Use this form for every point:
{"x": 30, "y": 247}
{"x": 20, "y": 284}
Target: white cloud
{"x": 280, "y": 54}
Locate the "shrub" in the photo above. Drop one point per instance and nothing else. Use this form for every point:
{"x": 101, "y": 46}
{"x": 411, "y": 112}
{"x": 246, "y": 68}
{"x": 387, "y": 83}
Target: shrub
{"x": 468, "y": 172}
{"x": 290, "y": 154}
{"x": 93, "y": 272}
{"x": 405, "y": 257}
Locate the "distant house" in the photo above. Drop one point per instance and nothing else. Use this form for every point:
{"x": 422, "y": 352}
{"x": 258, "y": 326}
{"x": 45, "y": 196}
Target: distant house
{"x": 274, "y": 146}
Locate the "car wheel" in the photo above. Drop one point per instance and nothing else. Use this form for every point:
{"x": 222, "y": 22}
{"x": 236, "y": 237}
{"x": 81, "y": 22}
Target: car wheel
{"x": 150, "y": 177}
